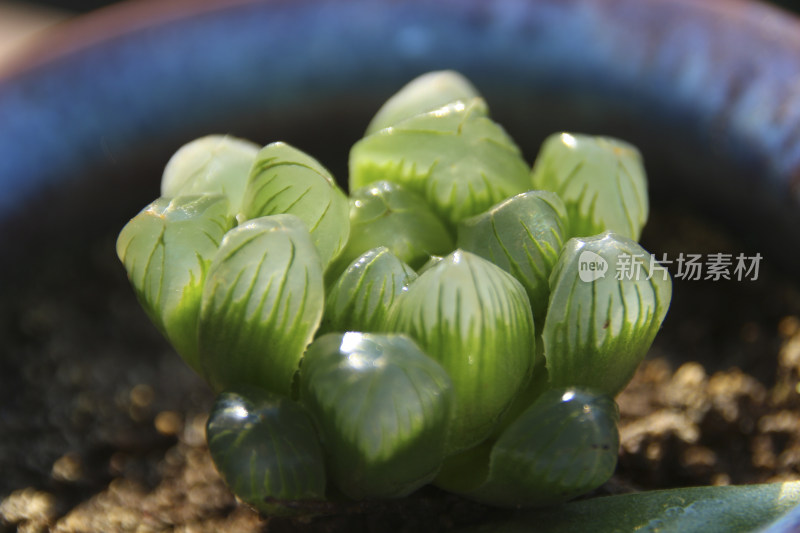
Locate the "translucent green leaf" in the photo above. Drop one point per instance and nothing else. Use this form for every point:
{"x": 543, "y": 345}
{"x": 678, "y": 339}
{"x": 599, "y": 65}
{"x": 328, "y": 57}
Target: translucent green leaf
{"x": 601, "y": 180}
{"x": 522, "y": 235}
{"x": 382, "y": 407}
{"x": 385, "y": 214}
{"x": 266, "y": 449}
{"x": 562, "y": 446}
{"x": 743, "y": 509}
{"x": 425, "y": 93}
{"x": 475, "y": 319}
{"x": 455, "y": 157}
{"x": 212, "y": 164}
{"x": 262, "y": 303}
{"x": 286, "y": 180}
{"x": 363, "y": 294}
{"x": 167, "y": 249}
{"x": 608, "y": 299}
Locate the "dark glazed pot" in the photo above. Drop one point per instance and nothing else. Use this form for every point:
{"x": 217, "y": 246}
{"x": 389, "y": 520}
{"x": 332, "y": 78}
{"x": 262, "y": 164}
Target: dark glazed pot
{"x": 708, "y": 89}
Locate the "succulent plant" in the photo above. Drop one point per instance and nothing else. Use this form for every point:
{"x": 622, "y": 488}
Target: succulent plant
{"x": 447, "y": 323}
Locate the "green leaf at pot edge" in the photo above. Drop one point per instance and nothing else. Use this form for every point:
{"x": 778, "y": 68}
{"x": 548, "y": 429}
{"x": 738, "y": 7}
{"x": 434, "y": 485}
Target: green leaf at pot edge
{"x": 425, "y": 93}
{"x": 363, "y": 294}
{"x": 287, "y": 180}
{"x": 382, "y": 408}
{"x": 167, "y": 249}
{"x": 385, "y": 214}
{"x": 601, "y": 180}
{"x": 455, "y": 157}
{"x": 729, "y": 509}
{"x": 266, "y": 449}
{"x": 599, "y": 328}
{"x": 523, "y": 235}
{"x": 213, "y": 164}
{"x": 562, "y": 446}
{"x": 475, "y": 320}
{"x": 262, "y": 303}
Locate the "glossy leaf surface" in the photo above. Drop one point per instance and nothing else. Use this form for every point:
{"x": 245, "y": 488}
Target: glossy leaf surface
{"x": 361, "y": 297}
{"x": 382, "y": 406}
{"x": 385, "y": 214}
{"x": 562, "y": 446}
{"x": 287, "y": 180}
{"x": 475, "y": 319}
{"x": 455, "y": 157}
{"x": 601, "y": 180}
{"x": 598, "y": 327}
{"x": 425, "y": 93}
{"x": 267, "y": 450}
{"x": 213, "y": 164}
{"x": 262, "y": 304}
{"x": 728, "y": 509}
{"x": 167, "y": 249}
{"x": 522, "y": 235}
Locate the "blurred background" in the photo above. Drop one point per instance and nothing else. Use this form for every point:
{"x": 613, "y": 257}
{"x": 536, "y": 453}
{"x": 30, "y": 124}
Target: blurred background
{"x": 20, "y": 21}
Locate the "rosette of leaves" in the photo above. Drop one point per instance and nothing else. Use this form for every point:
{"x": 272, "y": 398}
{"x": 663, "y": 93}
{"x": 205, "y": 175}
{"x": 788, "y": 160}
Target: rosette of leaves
{"x": 490, "y": 370}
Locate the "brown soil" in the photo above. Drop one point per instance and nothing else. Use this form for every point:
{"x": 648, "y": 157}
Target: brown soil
{"x": 103, "y": 426}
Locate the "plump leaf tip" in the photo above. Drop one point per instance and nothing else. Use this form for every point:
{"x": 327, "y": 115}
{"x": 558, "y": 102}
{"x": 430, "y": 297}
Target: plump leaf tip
{"x": 266, "y": 448}
{"x": 608, "y": 299}
{"x": 601, "y": 180}
{"x": 455, "y": 157}
{"x": 475, "y": 320}
{"x": 382, "y": 407}
{"x": 167, "y": 251}
{"x": 215, "y": 164}
{"x": 262, "y": 304}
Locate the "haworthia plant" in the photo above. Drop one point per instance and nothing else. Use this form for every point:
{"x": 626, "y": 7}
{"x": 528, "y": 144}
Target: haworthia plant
{"x": 342, "y": 372}
{"x": 601, "y": 180}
